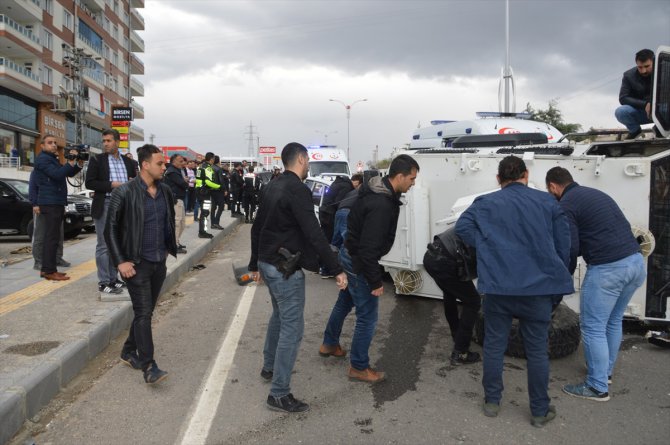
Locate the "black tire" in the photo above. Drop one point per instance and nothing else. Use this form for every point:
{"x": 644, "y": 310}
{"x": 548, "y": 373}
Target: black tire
{"x": 71, "y": 234}
{"x": 564, "y": 334}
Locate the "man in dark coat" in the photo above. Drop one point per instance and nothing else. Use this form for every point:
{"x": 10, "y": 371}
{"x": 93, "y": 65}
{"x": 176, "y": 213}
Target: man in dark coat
{"x": 635, "y": 94}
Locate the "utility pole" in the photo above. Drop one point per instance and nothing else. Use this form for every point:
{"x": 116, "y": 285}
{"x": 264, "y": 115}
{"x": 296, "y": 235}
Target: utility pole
{"x": 151, "y": 138}
{"x": 251, "y": 138}
{"x": 75, "y": 60}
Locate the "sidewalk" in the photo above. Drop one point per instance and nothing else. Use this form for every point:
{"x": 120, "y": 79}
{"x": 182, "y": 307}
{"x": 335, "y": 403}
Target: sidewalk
{"x": 49, "y": 331}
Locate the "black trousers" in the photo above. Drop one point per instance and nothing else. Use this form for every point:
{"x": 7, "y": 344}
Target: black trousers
{"x": 52, "y": 218}
{"x": 144, "y": 289}
{"x": 218, "y": 202}
{"x": 249, "y": 204}
{"x": 443, "y": 270}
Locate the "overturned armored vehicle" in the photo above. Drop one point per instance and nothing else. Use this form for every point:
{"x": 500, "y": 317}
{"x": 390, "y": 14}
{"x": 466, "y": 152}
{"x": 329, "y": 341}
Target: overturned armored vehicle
{"x": 456, "y": 166}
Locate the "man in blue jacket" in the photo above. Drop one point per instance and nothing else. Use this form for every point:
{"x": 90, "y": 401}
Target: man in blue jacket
{"x": 522, "y": 238}
{"x": 603, "y": 237}
{"x": 38, "y": 229}
{"x": 50, "y": 177}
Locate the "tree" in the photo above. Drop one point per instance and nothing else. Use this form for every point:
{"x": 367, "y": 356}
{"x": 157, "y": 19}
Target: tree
{"x": 552, "y": 116}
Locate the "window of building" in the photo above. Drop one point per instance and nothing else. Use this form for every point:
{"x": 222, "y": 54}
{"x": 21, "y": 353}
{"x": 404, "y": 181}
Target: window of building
{"x": 92, "y": 38}
{"x": 67, "y": 19}
{"x": 108, "y": 53}
{"x": 115, "y": 58}
{"x": 48, "y": 6}
{"x": 7, "y": 140}
{"x": 126, "y": 43}
{"x": 47, "y": 76}
{"x": 108, "y": 107}
{"x": 17, "y": 111}
{"x": 126, "y": 68}
{"x": 116, "y": 7}
{"x": 126, "y": 18}
{"x": 67, "y": 83}
{"x": 115, "y": 85}
{"x": 47, "y": 40}
{"x": 115, "y": 33}
{"x": 125, "y": 92}
{"x": 27, "y": 149}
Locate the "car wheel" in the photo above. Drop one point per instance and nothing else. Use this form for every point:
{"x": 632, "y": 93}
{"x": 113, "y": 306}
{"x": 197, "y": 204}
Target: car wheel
{"x": 564, "y": 334}
{"x": 71, "y": 234}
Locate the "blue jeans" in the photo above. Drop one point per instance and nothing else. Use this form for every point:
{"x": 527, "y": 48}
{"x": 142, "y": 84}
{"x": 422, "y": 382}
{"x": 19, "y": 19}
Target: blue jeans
{"x": 285, "y": 327}
{"x": 357, "y": 294}
{"x": 340, "y": 227}
{"x": 606, "y": 291}
{"x": 534, "y": 314}
{"x": 107, "y": 272}
{"x": 631, "y": 117}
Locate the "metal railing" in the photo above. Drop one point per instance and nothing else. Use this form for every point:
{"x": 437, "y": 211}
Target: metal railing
{"x": 10, "y": 162}
{"x": 19, "y": 69}
{"x": 20, "y": 28}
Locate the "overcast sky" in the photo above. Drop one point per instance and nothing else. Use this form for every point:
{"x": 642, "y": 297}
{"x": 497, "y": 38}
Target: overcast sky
{"x": 214, "y": 66}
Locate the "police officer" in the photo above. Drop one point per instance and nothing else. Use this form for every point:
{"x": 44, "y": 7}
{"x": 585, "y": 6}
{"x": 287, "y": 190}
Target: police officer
{"x": 250, "y": 194}
{"x": 204, "y": 184}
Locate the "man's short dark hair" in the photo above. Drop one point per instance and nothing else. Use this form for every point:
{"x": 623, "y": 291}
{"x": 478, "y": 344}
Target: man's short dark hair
{"x": 174, "y": 156}
{"x": 402, "y": 164}
{"x": 209, "y": 156}
{"x": 47, "y": 136}
{"x": 217, "y": 159}
{"x": 511, "y": 168}
{"x": 115, "y": 134}
{"x": 357, "y": 177}
{"x": 238, "y": 164}
{"x": 251, "y": 169}
{"x": 145, "y": 152}
{"x": 643, "y": 55}
{"x": 291, "y": 152}
{"x": 559, "y": 175}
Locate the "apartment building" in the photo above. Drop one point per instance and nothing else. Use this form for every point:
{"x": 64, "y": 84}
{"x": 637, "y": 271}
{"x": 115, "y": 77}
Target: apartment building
{"x": 63, "y": 65}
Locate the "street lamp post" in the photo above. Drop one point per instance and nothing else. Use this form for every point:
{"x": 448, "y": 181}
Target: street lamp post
{"x": 348, "y": 108}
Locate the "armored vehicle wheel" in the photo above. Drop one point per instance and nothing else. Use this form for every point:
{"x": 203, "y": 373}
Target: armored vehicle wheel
{"x": 564, "y": 334}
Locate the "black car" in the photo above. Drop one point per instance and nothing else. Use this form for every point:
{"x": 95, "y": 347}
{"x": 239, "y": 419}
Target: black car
{"x": 16, "y": 212}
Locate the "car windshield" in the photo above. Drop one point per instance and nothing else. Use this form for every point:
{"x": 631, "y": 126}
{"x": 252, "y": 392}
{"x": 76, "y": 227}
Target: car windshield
{"x": 318, "y": 168}
{"x": 20, "y": 186}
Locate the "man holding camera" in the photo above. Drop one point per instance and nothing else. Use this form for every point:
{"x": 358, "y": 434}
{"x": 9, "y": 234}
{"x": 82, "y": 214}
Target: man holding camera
{"x": 50, "y": 177}
{"x": 106, "y": 172}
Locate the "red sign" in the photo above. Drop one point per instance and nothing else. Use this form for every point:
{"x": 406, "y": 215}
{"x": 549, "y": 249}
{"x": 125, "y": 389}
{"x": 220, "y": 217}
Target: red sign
{"x": 123, "y": 137}
{"x": 120, "y": 123}
{"x": 267, "y": 150}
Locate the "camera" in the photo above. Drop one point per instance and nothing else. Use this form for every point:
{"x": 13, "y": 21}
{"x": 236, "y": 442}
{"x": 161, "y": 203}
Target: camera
{"x": 82, "y": 152}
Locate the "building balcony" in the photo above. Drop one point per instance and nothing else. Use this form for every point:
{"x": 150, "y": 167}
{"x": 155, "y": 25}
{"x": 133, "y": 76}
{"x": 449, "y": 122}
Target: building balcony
{"x": 21, "y": 78}
{"x": 136, "y": 87}
{"x": 22, "y": 10}
{"x": 136, "y": 42}
{"x": 137, "y": 3}
{"x": 12, "y": 32}
{"x": 92, "y": 5}
{"x": 136, "y": 20}
{"x": 138, "y": 110}
{"x": 136, "y": 133}
{"x": 136, "y": 65}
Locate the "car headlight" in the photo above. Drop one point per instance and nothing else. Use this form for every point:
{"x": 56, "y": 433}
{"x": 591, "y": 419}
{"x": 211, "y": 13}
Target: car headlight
{"x": 71, "y": 208}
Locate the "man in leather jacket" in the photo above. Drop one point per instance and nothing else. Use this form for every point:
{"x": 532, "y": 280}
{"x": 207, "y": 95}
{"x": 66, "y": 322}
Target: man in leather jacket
{"x": 140, "y": 233}
{"x": 635, "y": 94}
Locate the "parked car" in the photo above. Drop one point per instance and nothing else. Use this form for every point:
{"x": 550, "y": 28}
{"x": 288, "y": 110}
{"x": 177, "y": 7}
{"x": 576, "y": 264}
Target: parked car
{"x": 16, "y": 212}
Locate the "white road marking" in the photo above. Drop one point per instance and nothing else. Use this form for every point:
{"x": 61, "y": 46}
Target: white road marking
{"x": 210, "y": 393}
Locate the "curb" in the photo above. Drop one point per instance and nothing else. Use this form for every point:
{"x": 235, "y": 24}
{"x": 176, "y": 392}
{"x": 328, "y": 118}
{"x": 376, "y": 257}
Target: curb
{"x": 32, "y": 392}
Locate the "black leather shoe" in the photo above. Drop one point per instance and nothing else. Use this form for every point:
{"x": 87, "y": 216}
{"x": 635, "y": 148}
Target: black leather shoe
{"x": 205, "y": 235}
{"x": 153, "y": 375}
{"x": 266, "y": 375}
{"x": 131, "y": 359}
{"x": 287, "y": 404}
{"x": 632, "y": 135}
{"x": 217, "y": 227}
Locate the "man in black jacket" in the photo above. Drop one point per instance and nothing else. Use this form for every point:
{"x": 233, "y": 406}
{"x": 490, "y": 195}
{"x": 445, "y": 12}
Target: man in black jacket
{"x": 140, "y": 233}
{"x": 218, "y": 195}
{"x": 106, "y": 172}
{"x": 285, "y": 238}
{"x": 236, "y": 185}
{"x": 336, "y": 193}
{"x": 175, "y": 179}
{"x": 635, "y": 94}
{"x": 371, "y": 228}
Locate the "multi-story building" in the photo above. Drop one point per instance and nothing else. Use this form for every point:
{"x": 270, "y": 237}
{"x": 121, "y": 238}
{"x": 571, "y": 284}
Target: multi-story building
{"x": 63, "y": 65}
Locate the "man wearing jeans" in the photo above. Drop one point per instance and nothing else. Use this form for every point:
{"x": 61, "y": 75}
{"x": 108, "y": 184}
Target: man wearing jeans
{"x": 106, "y": 172}
{"x": 140, "y": 233}
{"x": 615, "y": 269}
{"x": 285, "y": 238}
{"x": 522, "y": 239}
{"x": 635, "y": 94}
{"x": 371, "y": 227}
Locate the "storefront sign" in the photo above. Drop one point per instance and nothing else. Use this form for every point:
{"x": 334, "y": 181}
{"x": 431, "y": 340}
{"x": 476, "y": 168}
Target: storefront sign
{"x": 122, "y": 113}
{"x": 52, "y": 124}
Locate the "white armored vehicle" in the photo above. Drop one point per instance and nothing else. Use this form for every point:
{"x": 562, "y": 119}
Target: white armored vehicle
{"x": 459, "y": 161}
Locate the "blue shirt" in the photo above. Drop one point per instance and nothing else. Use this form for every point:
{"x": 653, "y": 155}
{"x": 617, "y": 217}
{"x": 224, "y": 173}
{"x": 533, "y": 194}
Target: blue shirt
{"x": 117, "y": 170}
{"x": 522, "y": 239}
{"x": 600, "y": 232}
{"x": 156, "y": 230}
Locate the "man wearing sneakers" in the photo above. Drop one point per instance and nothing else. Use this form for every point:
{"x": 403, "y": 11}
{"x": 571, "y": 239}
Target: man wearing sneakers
{"x": 285, "y": 238}
{"x": 522, "y": 239}
{"x": 140, "y": 233}
{"x": 371, "y": 227}
{"x": 106, "y": 172}
{"x": 602, "y": 236}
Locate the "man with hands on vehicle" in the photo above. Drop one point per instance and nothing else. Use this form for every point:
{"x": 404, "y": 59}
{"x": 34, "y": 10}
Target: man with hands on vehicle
{"x": 285, "y": 238}
{"x": 140, "y": 233}
{"x": 50, "y": 178}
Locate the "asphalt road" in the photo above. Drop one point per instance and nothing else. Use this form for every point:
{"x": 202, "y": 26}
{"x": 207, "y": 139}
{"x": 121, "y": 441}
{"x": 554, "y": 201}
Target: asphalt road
{"x": 212, "y": 347}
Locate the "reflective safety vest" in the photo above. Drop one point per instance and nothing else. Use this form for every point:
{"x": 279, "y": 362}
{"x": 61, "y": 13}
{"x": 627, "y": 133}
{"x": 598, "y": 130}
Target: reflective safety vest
{"x": 204, "y": 177}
